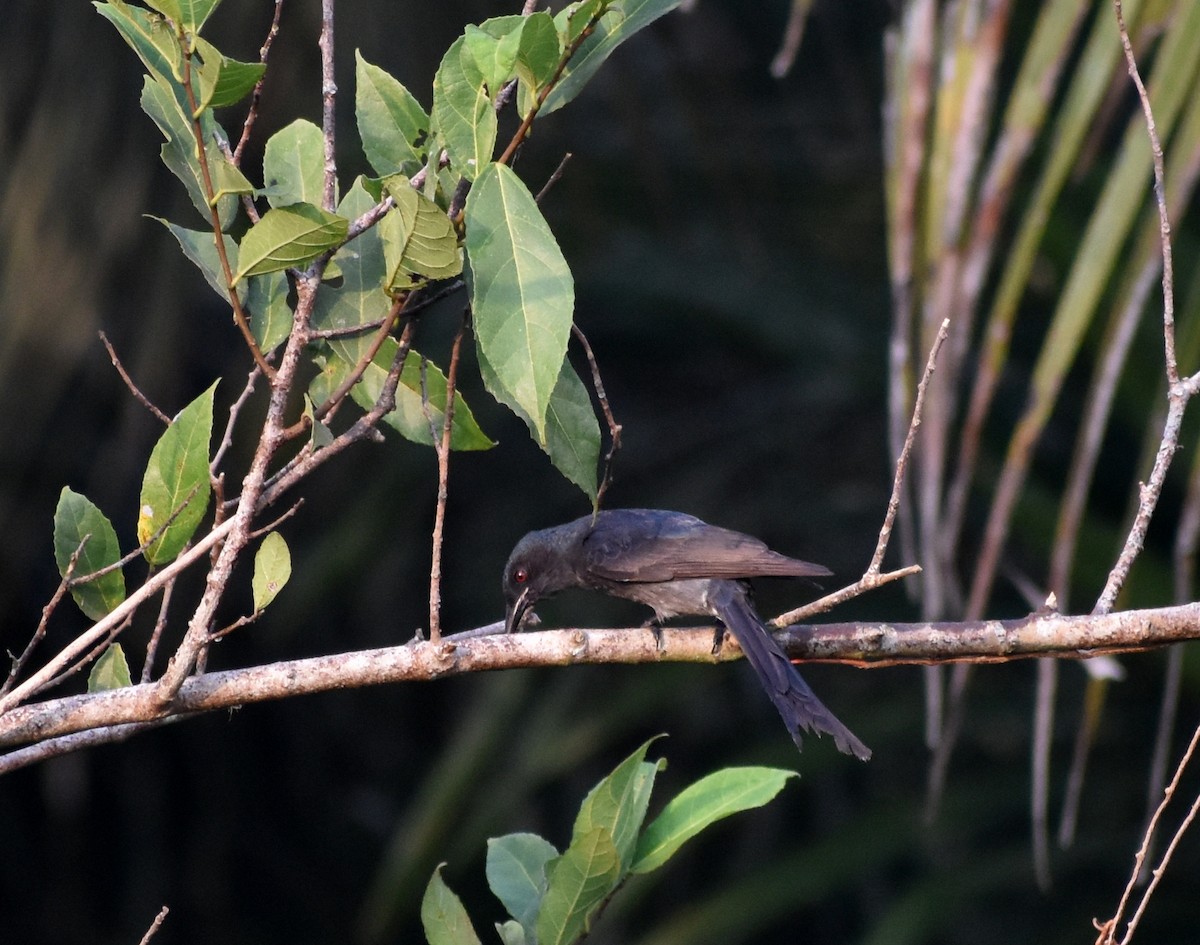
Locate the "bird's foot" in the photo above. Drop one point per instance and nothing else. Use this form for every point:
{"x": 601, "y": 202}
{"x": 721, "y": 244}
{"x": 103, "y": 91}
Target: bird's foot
{"x": 655, "y": 627}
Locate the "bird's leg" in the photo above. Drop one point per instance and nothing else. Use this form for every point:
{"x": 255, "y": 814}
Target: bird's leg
{"x": 718, "y": 639}
{"x": 654, "y": 625}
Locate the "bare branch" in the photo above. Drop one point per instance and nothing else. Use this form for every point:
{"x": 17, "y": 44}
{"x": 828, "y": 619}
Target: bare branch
{"x": 39, "y": 634}
{"x": 442, "y": 445}
{"x": 614, "y": 428}
{"x": 133, "y": 388}
{"x": 256, "y": 96}
{"x": 155, "y": 925}
{"x": 863, "y": 645}
{"x": 906, "y": 450}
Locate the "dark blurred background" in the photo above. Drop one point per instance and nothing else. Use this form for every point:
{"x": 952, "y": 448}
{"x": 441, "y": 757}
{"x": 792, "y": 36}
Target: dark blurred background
{"x": 726, "y": 232}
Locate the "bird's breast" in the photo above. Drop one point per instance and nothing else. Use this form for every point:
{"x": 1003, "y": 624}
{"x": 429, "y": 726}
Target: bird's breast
{"x": 667, "y": 598}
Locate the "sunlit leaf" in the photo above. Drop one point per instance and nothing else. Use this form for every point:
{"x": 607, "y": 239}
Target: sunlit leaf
{"x": 577, "y": 883}
{"x": 161, "y": 101}
{"x": 148, "y": 35}
{"x": 463, "y": 112}
{"x": 622, "y": 19}
{"x": 411, "y": 418}
{"x": 419, "y": 241}
{"x": 360, "y": 298}
{"x": 696, "y": 807}
{"x": 391, "y": 122}
{"x": 294, "y": 165}
{"x": 289, "y": 236}
{"x": 522, "y": 296}
{"x": 618, "y": 803}
{"x": 572, "y": 431}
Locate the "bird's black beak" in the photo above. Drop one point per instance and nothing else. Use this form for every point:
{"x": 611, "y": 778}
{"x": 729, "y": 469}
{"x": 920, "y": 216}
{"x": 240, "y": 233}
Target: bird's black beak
{"x": 517, "y": 610}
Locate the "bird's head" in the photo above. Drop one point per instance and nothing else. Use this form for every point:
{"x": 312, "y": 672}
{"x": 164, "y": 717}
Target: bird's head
{"x": 536, "y": 569}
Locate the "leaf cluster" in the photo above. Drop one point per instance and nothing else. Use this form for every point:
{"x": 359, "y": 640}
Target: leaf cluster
{"x": 553, "y": 898}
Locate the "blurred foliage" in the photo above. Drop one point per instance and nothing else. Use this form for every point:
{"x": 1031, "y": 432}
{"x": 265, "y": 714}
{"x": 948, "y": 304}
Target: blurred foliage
{"x": 727, "y": 232}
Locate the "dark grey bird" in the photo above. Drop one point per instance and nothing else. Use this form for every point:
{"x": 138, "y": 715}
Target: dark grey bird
{"x": 676, "y": 564}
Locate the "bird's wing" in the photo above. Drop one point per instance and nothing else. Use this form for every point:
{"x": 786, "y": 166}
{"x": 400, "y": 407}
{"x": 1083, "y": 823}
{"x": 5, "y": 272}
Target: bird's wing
{"x": 651, "y": 546}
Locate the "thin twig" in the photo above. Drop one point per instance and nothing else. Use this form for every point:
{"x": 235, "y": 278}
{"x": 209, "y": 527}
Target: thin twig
{"x": 1179, "y": 392}
{"x": 155, "y": 925}
{"x": 239, "y": 314}
{"x": 76, "y": 741}
{"x": 92, "y": 655}
{"x": 1109, "y": 928}
{"x": 133, "y": 388}
{"x": 39, "y": 634}
{"x": 793, "y": 35}
{"x": 902, "y": 460}
{"x": 867, "y": 582}
{"x": 555, "y": 177}
{"x": 160, "y": 624}
{"x": 274, "y": 524}
{"x": 442, "y": 445}
{"x": 523, "y": 130}
{"x": 256, "y": 96}
{"x": 234, "y": 410}
{"x": 614, "y": 428}
{"x": 307, "y": 461}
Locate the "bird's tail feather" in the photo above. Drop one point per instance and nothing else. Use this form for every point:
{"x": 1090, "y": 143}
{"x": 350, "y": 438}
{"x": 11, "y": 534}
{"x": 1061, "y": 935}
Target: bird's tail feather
{"x": 796, "y": 702}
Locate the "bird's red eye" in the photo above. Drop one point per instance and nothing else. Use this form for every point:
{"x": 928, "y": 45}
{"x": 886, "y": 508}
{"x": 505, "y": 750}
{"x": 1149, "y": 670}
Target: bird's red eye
{"x": 520, "y": 576}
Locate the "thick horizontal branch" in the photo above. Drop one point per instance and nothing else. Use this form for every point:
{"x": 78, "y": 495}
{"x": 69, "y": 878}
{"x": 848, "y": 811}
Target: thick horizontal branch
{"x": 858, "y": 644}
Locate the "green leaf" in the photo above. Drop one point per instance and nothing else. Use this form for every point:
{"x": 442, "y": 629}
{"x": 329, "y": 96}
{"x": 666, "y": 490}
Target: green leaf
{"x": 494, "y": 45}
{"x": 264, "y": 298}
{"x": 148, "y": 35}
{"x": 618, "y": 803}
{"x": 408, "y": 419}
{"x": 287, "y": 237}
{"x": 111, "y": 671}
{"x": 578, "y": 882}
{"x": 162, "y": 102}
{"x": 321, "y": 435}
{"x": 419, "y": 241}
{"x": 177, "y": 478}
{"x": 539, "y": 53}
{"x": 294, "y": 165}
{"x": 237, "y": 81}
{"x": 391, "y": 122}
{"x": 463, "y": 112}
{"x": 622, "y": 19}
{"x": 516, "y": 873}
{"x": 360, "y": 299}
{"x": 200, "y": 247}
{"x": 574, "y": 18}
{"x": 74, "y": 518}
{"x": 511, "y": 933}
{"x": 272, "y": 568}
{"x": 266, "y": 302}
{"x": 522, "y": 294}
{"x": 572, "y": 431}
{"x": 708, "y": 800}
{"x": 443, "y": 917}
{"x": 189, "y": 14}
{"x": 168, "y": 8}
